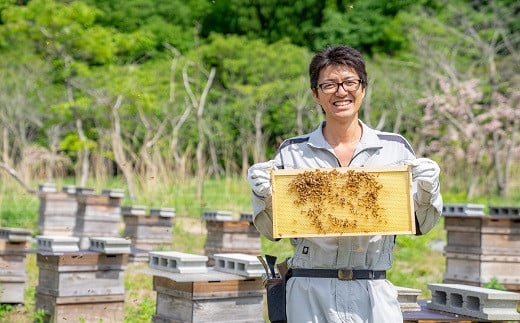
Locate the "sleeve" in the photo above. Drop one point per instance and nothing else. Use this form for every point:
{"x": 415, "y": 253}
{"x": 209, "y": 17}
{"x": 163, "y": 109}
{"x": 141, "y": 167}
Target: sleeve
{"x": 263, "y": 211}
{"x": 428, "y": 208}
{"x": 263, "y": 215}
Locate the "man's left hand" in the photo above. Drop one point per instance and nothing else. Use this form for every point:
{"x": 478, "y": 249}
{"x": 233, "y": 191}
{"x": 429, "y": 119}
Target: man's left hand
{"x": 426, "y": 172}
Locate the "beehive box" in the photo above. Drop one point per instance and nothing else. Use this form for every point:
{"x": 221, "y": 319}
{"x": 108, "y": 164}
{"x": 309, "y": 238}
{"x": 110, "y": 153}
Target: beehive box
{"x": 479, "y": 269}
{"x": 81, "y": 274}
{"x": 231, "y": 237}
{"x": 482, "y": 248}
{"x": 490, "y": 235}
{"x": 57, "y": 309}
{"x": 57, "y": 213}
{"x": 14, "y": 243}
{"x": 342, "y": 201}
{"x": 238, "y": 300}
{"x": 97, "y": 215}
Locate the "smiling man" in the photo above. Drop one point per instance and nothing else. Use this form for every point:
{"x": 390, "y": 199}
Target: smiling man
{"x": 343, "y": 279}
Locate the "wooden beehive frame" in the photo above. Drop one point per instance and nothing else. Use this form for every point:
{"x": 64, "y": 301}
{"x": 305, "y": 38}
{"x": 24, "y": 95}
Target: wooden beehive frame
{"x": 394, "y": 205}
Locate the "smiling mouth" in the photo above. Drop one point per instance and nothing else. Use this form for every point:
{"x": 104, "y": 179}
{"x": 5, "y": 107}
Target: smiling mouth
{"x": 343, "y": 103}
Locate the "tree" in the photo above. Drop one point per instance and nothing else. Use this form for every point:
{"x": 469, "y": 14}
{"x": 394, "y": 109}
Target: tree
{"x": 269, "y": 20}
{"x": 260, "y": 84}
{"x": 471, "y": 111}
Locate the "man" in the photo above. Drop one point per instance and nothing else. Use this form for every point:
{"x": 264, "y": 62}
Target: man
{"x": 314, "y": 293}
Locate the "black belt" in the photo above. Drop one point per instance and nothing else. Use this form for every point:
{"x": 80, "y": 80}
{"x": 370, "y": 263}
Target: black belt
{"x": 341, "y": 274}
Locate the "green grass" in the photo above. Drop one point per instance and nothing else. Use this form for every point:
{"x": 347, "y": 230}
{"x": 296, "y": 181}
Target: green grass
{"x": 415, "y": 263}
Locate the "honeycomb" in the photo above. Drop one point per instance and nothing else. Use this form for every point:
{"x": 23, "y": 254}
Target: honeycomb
{"x": 342, "y": 201}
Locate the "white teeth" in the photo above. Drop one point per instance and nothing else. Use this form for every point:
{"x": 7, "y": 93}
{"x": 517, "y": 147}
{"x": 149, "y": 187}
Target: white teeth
{"x": 343, "y": 103}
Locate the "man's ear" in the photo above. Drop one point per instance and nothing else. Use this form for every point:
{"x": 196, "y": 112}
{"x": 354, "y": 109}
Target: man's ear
{"x": 315, "y": 95}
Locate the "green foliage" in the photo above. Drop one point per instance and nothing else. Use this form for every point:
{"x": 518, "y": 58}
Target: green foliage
{"x": 140, "y": 306}
{"x": 366, "y": 25}
{"x": 72, "y": 144}
{"x": 494, "y": 284}
{"x": 270, "y": 20}
{"x": 164, "y": 21}
{"x": 17, "y": 209}
{"x": 254, "y": 76}
{"x": 281, "y": 249}
{"x": 40, "y": 316}
{"x": 4, "y": 310}
{"x": 142, "y": 313}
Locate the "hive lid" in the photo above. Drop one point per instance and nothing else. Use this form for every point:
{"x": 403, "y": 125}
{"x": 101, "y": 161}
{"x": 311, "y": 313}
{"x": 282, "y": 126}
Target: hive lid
{"x": 342, "y": 201}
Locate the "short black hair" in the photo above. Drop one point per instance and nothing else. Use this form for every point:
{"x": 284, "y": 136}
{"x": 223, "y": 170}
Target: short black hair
{"x": 337, "y": 55}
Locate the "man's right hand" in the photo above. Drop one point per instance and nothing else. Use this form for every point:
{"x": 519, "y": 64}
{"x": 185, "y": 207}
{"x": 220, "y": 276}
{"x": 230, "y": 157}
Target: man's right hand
{"x": 259, "y": 178}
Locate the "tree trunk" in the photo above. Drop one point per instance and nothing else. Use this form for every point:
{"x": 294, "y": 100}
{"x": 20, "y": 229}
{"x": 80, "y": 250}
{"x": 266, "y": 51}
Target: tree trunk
{"x": 199, "y": 104}
{"x": 17, "y": 177}
{"x": 5, "y": 146}
{"x": 53, "y": 133}
{"x": 119, "y": 155}
{"x": 259, "y": 151}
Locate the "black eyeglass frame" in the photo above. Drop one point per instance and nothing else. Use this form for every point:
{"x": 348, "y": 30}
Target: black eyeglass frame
{"x": 343, "y": 84}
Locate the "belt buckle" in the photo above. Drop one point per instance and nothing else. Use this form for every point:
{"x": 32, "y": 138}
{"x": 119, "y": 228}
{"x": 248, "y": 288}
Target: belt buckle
{"x": 345, "y": 274}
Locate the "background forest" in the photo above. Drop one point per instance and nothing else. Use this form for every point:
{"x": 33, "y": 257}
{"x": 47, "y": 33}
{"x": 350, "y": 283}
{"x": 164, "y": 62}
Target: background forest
{"x": 169, "y": 89}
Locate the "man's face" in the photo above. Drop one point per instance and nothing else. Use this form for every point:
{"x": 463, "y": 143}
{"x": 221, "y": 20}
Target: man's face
{"x": 342, "y": 104}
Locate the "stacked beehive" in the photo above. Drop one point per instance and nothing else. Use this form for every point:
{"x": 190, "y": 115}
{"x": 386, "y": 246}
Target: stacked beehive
{"x": 188, "y": 291}
{"x": 481, "y": 248}
{"x": 98, "y": 215}
{"x": 57, "y": 211}
{"x": 14, "y": 243}
{"x": 147, "y": 231}
{"x": 76, "y": 286}
{"x": 226, "y": 235}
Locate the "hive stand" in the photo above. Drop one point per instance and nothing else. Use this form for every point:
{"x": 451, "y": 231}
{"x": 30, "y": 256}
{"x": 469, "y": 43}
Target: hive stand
{"x": 57, "y": 244}
{"x": 239, "y": 264}
{"x": 178, "y": 262}
{"x": 479, "y": 302}
{"x": 407, "y": 298}
{"x": 504, "y": 210}
{"x": 109, "y": 245}
{"x": 463, "y": 209}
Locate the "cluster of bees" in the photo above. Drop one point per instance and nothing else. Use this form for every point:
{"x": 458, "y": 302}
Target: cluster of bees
{"x": 319, "y": 193}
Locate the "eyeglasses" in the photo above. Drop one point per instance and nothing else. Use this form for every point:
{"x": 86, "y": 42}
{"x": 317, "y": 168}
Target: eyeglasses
{"x": 333, "y": 87}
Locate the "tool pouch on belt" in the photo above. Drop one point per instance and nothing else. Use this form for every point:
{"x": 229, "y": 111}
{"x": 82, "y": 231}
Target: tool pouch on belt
{"x": 276, "y": 299}
{"x": 274, "y": 284}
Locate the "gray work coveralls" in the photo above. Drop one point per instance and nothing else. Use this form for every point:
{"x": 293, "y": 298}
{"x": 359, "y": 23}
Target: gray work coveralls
{"x": 330, "y": 299}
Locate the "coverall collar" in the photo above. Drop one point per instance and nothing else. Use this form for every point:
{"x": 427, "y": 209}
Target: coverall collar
{"x": 368, "y": 144}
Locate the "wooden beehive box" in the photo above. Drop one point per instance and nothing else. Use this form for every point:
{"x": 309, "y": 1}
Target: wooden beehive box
{"x": 342, "y": 201}
{"x": 81, "y": 274}
{"x": 13, "y": 245}
{"x": 97, "y": 216}
{"x": 57, "y": 213}
{"x": 57, "y": 309}
{"x": 498, "y": 235}
{"x": 231, "y": 237}
{"x": 236, "y": 300}
{"x": 482, "y": 248}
